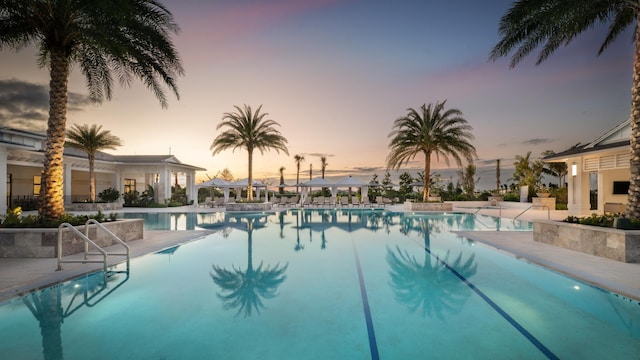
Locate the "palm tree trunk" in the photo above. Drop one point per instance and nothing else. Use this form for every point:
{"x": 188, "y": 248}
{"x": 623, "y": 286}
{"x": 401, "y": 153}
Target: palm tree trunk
{"x": 51, "y": 204}
{"x": 92, "y": 179}
{"x": 426, "y": 190}
{"x": 250, "y": 179}
{"x": 633, "y": 204}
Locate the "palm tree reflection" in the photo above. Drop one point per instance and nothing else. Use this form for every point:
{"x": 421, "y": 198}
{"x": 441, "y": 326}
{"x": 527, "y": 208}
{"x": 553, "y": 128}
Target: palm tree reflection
{"x": 429, "y": 286}
{"x": 244, "y": 290}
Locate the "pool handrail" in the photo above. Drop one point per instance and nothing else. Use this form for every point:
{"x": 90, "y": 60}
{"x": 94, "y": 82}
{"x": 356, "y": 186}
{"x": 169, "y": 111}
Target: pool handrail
{"x": 87, "y": 242}
{"x": 531, "y": 207}
{"x": 490, "y": 207}
{"x": 112, "y": 235}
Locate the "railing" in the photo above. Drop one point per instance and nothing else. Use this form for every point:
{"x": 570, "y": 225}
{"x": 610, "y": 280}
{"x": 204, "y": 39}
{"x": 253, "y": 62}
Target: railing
{"x": 87, "y": 242}
{"x": 490, "y": 207}
{"x": 531, "y": 207}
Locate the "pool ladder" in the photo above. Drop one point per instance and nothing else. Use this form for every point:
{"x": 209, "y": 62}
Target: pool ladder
{"x": 87, "y": 242}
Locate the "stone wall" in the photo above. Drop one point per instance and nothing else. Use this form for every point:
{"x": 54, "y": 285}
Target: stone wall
{"x": 104, "y": 207}
{"x": 42, "y": 243}
{"x": 427, "y": 206}
{"x": 616, "y": 244}
{"x": 248, "y": 206}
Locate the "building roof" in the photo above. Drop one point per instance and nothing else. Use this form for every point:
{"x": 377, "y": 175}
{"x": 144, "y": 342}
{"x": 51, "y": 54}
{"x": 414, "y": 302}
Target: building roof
{"x": 617, "y": 137}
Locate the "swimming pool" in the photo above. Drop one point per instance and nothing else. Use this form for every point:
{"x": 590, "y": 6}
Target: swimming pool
{"x": 320, "y": 284}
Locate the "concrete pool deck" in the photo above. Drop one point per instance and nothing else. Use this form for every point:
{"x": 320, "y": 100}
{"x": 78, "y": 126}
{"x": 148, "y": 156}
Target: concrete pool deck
{"x": 20, "y": 276}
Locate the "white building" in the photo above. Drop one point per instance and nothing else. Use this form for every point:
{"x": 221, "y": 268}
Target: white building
{"x": 601, "y": 166}
{"x": 22, "y": 156}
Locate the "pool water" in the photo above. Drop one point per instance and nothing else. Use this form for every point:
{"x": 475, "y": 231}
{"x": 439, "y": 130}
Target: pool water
{"x": 324, "y": 284}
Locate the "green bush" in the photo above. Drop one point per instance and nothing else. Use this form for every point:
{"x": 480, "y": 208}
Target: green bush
{"x": 109, "y": 195}
{"x": 14, "y": 219}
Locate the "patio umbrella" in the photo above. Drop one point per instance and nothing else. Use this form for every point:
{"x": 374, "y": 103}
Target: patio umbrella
{"x": 315, "y": 182}
{"x": 348, "y": 181}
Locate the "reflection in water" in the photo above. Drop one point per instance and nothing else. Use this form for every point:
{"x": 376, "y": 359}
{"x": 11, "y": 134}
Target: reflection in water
{"x": 429, "y": 286}
{"x": 47, "y": 306}
{"x": 244, "y": 290}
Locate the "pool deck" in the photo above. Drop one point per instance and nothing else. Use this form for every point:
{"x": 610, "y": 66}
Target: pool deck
{"x": 20, "y": 276}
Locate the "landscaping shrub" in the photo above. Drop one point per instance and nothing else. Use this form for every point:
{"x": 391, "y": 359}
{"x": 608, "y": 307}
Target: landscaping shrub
{"x": 109, "y": 195}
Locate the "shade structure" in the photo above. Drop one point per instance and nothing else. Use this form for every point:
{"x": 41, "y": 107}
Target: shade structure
{"x": 349, "y": 182}
{"x": 244, "y": 183}
{"x": 215, "y": 182}
{"x": 315, "y": 182}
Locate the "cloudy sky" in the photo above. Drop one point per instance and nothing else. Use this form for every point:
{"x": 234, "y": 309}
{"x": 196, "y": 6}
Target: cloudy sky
{"x": 335, "y": 74}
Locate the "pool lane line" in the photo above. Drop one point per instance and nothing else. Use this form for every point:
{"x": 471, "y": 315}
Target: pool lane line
{"x": 548, "y": 353}
{"x": 373, "y": 344}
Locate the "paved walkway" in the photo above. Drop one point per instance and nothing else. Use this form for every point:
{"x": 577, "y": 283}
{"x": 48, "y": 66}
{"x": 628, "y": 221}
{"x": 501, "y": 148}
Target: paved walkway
{"x": 18, "y": 276}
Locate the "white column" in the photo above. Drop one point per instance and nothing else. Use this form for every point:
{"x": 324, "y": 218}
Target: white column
{"x": 66, "y": 184}
{"x": 579, "y": 203}
{"x": 192, "y": 192}
{"x": 3, "y": 179}
{"x": 600, "y": 208}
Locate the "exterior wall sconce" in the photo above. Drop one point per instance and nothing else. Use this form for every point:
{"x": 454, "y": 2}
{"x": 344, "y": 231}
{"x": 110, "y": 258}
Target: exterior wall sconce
{"x": 574, "y": 169}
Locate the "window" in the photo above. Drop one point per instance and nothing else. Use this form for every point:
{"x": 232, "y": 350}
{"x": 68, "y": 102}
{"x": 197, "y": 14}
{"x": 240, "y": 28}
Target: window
{"x": 36, "y": 184}
{"x": 129, "y": 185}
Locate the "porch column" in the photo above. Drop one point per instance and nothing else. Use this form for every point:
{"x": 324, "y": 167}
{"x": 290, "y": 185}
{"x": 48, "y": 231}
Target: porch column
{"x": 3, "y": 180}
{"x": 66, "y": 184}
{"x": 579, "y": 203}
{"x": 192, "y": 192}
{"x": 601, "y": 193}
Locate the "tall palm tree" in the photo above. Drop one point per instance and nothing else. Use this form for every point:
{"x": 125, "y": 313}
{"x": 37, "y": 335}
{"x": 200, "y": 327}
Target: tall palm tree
{"x": 129, "y": 38}
{"x": 431, "y": 129}
{"x": 527, "y": 172}
{"x": 323, "y": 164}
{"x": 281, "y": 189}
{"x": 299, "y": 159}
{"x": 91, "y": 139}
{"x": 549, "y": 24}
{"x": 251, "y": 131}
{"x": 556, "y": 169}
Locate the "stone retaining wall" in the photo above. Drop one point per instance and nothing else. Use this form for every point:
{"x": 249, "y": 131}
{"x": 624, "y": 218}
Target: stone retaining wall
{"x": 42, "y": 243}
{"x": 616, "y": 244}
{"x": 248, "y": 206}
{"x": 93, "y": 206}
{"x": 427, "y": 206}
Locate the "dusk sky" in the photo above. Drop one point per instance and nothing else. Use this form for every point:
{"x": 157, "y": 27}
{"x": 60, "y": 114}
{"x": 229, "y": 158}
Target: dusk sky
{"x": 335, "y": 74}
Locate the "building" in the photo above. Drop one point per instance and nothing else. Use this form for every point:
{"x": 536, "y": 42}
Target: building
{"x": 22, "y": 156}
{"x": 599, "y": 174}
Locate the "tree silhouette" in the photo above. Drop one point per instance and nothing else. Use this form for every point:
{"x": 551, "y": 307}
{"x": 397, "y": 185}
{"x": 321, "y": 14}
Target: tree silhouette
{"x": 244, "y": 290}
{"x": 429, "y": 286}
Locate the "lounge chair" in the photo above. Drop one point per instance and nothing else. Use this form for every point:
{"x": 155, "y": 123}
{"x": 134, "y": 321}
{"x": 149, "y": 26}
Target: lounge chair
{"x": 318, "y": 200}
{"x": 275, "y": 201}
{"x": 306, "y": 202}
{"x": 366, "y": 202}
{"x": 344, "y": 201}
{"x": 206, "y": 202}
{"x": 330, "y": 201}
{"x": 380, "y": 201}
{"x": 293, "y": 201}
{"x": 218, "y": 202}
{"x": 355, "y": 202}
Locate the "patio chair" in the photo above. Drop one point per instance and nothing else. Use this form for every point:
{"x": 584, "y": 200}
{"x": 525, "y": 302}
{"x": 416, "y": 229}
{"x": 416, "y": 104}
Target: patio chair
{"x": 366, "y": 203}
{"x": 318, "y": 200}
{"x": 293, "y": 201}
{"x": 306, "y": 202}
{"x": 379, "y": 201}
{"x": 275, "y": 201}
{"x": 206, "y": 202}
{"x": 355, "y": 202}
{"x": 344, "y": 201}
{"x": 330, "y": 201}
{"x": 218, "y": 202}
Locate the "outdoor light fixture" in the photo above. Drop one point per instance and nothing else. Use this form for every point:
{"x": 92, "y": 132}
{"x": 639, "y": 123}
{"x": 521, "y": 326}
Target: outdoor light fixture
{"x": 574, "y": 169}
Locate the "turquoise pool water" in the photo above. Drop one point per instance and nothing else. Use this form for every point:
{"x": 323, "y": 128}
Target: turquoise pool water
{"x": 320, "y": 284}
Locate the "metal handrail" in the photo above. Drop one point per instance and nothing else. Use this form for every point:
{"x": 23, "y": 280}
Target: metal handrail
{"x": 112, "y": 235}
{"x": 489, "y": 207}
{"x": 87, "y": 242}
{"x": 531, "y": 207}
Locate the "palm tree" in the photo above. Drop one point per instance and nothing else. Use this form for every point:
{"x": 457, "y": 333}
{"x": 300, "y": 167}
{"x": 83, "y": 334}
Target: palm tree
{"x": 299, "y": 159}
{"x": 323, "y": 164}
{"x": 129, "y": 38}
{"x": 527, "y": 172}
{"x": 251, "y": 131}
{"x": 529, "y": 24}
{"x": 430, "y": 130}
{"x": 281, "y": 190}
{"x": 556, "y": 169}
{"x": 91, "y": 140}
